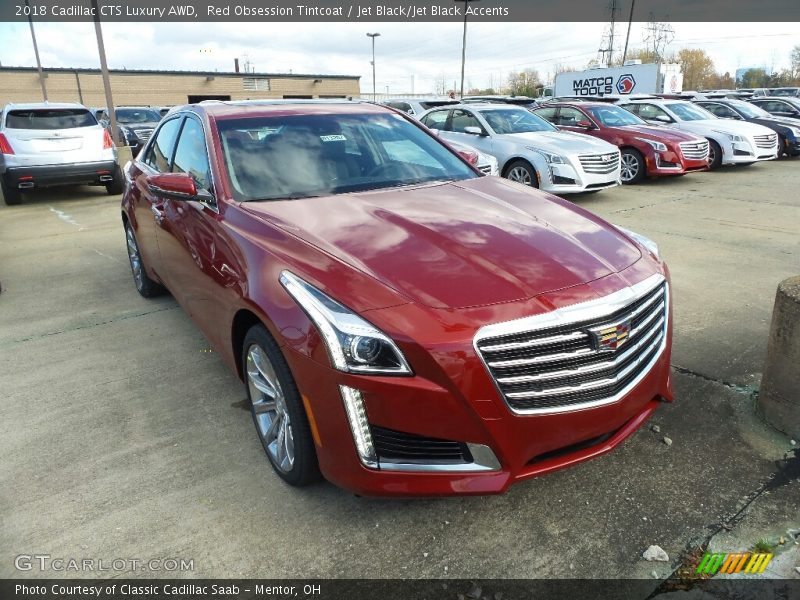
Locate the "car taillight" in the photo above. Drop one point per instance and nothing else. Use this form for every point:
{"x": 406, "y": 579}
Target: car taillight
{"x": 469, "y": 156}
{"x": 5, "y": 147}
{"x": 107, "y": 143}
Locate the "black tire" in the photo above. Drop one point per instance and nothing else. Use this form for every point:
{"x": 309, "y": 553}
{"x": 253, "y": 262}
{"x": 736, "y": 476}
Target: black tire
{"x": 714, "y": 155}
{"x": 636, "y": 164}
{"x": 519, "y": 166}
{"x": 305, "y": 468}
{"x": 144, "y": 285}
{"x": 115, "y": 187}
{"x": 11, "y": 195}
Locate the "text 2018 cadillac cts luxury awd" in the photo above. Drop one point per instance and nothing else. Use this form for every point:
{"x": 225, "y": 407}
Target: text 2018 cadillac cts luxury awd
{"x": 403, "y": 324}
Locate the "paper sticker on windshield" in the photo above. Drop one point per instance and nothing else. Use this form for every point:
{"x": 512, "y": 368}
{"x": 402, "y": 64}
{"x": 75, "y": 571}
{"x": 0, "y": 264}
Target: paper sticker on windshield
{"x": 333, "y": 138}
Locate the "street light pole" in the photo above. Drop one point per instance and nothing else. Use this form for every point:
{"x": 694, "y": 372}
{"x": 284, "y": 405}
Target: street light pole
{"x": 36, "y": 52}
{"x": 464, "y": 42}
{"x": 373, "y": 36}
{"x": 101, "y": 49}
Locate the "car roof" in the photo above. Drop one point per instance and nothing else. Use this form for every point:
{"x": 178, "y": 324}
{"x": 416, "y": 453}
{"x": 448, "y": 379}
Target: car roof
{"x": 35, "y": 105}
{"x": 421, "y": 100}
{"x": 251, "y": 108}
{"x": 576, "y": 104}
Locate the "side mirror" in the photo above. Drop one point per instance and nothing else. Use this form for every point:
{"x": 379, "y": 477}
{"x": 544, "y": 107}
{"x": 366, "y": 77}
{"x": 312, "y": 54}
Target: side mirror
{"x": 474, "y": 130}
{"x": 585, "y": 124}
{"x": 176, "y": 186}
{"x": 662, "y": 119}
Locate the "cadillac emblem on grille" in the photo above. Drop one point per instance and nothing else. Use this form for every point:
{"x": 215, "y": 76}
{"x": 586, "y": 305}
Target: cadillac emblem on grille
{"x": 608, "y": 157}
{"x": 610, "y": 338}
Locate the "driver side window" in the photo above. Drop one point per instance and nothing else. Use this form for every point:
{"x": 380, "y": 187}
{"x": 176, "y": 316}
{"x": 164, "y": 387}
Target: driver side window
{"x": 720, "y": 110}
{"x": 569, "y": 117}
{"x": 463, "y": 119}
{"x": 652, "y": 112}
{"x": 191, "y": 156}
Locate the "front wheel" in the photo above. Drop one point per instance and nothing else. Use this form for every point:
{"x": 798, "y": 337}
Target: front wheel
{"x": 714, "y": 155}
{"x": 632, "y": 167}
{"x": 522, "y": 172}
{"x": 277, "y": 410}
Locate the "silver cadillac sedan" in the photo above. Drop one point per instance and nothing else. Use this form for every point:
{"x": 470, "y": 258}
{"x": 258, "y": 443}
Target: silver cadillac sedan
{"x": 528, "y": 149}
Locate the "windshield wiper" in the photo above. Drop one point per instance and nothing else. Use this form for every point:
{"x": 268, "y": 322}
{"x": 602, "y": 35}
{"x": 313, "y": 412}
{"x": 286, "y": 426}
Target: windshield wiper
{"x": 286, "y": 197}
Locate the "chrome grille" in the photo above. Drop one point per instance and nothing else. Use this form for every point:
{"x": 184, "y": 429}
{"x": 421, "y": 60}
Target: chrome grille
{"x": 600, "y": 163}
{"x": 554, "y": 362}
{"x": 766, "y": 141}
{"x": 695, "y": 150}
{"x": 143, "y": 134}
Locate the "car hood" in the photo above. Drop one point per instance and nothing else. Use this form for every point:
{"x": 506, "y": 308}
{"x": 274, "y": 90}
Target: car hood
{"x": 140, "y": 125}
{"x": 657, "y": 133}
{"x": 560, "y": 142}
{"x": 773, "y": 121}
{"x": 454, "y": 245}
{"x": 726, "y": 126}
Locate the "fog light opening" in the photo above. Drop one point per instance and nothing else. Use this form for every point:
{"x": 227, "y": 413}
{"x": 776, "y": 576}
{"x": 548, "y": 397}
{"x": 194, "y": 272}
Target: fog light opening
{"x": 359, "y": 425}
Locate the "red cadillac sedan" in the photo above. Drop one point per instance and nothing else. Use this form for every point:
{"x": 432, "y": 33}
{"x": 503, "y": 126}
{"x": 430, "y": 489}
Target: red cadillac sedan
{"x": 404, "y": 325}
{"x": 647, "y": 150}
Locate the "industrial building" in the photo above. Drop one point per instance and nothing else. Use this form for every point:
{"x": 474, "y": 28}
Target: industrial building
{"x": 167, "y": 88}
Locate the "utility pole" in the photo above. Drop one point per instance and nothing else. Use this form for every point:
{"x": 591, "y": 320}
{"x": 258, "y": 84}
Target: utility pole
{"x": 373, "y": 36}
{"x": 464, "y": 42}
{"x": 606, "y": 54}
{"x": 101, "y": 48}
{"x": 628, "y": 36}
{"x": 36, "y": 52}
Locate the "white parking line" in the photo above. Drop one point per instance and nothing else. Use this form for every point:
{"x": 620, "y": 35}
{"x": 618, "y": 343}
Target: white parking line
{"x": 64, "y": 216}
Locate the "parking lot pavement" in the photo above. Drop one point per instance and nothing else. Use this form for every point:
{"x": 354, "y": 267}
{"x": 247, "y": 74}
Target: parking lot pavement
{"x": 123, "y": 436}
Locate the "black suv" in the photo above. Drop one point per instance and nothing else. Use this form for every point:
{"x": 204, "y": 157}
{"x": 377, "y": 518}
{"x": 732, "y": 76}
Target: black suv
{"x": 135, "y": 124}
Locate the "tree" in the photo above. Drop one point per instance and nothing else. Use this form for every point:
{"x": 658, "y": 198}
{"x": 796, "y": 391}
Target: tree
{"x": 754, "y": 78}
{"x": 795, "y": 62}
{"x": 721, "y": 81}
{"x": 697, "y": 67}
{"x": 440, "y": 84}
{"x": 525, "y": 83}
{"x": 645, "y": 55}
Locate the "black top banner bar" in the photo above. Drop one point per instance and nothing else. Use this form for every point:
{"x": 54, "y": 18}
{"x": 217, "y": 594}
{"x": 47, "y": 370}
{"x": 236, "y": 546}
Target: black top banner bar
{"x": 397, "y": 10}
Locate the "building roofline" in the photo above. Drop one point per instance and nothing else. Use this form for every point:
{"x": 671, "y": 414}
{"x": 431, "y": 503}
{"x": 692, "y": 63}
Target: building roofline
{"x": 181, "y": 73}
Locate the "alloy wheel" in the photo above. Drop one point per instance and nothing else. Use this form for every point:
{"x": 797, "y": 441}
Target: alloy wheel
{"x": 269, "y": 409}
{"x": 629, "y": 168}
{"x": 135, "y": 258}
{"x": 520, "y": 175}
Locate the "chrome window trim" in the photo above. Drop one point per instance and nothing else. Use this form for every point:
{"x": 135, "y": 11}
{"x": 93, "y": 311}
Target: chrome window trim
{"x": 575, "y": 313}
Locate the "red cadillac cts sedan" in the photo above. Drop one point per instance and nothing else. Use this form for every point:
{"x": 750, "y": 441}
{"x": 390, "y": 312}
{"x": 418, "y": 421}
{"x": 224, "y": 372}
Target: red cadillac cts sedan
{"x": 403, "y": 324}
{"x": 647, "y": 150}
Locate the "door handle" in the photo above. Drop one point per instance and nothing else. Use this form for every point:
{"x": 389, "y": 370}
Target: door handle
{"x": 157, "y": 213}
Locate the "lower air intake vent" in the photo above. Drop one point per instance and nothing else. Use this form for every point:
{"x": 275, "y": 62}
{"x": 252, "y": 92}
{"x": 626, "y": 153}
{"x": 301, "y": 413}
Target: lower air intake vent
{"x": 406, "y": 447}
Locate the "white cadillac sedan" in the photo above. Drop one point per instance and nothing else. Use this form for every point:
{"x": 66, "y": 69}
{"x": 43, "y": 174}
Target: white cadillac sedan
{"x": 730, "y": 142}
{"x": 528, "y": 149}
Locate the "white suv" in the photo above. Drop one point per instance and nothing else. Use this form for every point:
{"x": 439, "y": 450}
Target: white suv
{"x": 47, "y": 144}
{"x": 730, "y": 142}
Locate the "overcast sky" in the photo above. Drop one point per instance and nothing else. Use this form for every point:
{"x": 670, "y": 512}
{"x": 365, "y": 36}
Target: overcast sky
{"x": 421, "y": 51}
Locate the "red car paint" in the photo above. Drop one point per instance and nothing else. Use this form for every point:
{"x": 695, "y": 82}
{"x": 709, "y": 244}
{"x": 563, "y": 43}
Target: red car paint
{"x": 628, "y": 136}
{"x": 428, "y": 265}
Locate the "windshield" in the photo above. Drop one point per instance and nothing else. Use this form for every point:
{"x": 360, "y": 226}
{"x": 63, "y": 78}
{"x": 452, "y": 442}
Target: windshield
{"x": 785, "y": 92}
{"x": 302, "y": 156}
{"x": 515, "y": 120}
{"x": 137, "y": 115}
{"x": 613, "y": 116}
{"x": 689, "y": 112}
{"x": 51, "y": 118}
{"x": 751, "y": 111}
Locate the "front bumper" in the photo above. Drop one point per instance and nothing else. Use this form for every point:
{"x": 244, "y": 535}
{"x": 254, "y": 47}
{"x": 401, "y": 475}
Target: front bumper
{"x": 746, "y": 152}
{"x": 450, "y": 402}
{"x": 671, "y": 162}
{"x": 571, "y": 179}
{"x": 26, "y": 177}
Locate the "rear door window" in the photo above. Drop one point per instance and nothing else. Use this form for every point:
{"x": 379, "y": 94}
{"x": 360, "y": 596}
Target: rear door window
{"x": 49, "y": 118}
{"x": 548, "y": 113}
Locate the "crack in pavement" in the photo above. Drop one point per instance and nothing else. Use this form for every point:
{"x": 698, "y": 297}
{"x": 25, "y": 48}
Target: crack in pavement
{"x": 788, "y": 471}
{"x": 741, "y": 389}
{"x": 88, "y": 326}
{"x": 624, "y": 210}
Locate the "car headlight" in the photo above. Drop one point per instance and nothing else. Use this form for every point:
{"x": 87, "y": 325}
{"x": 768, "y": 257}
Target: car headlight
{"x": 731, "y": 136}
{"x": 553, "y": 159}
{"x": 354, "y": 345}
{"x": 649, "y": 244}
{"x": 655, "y": 145}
